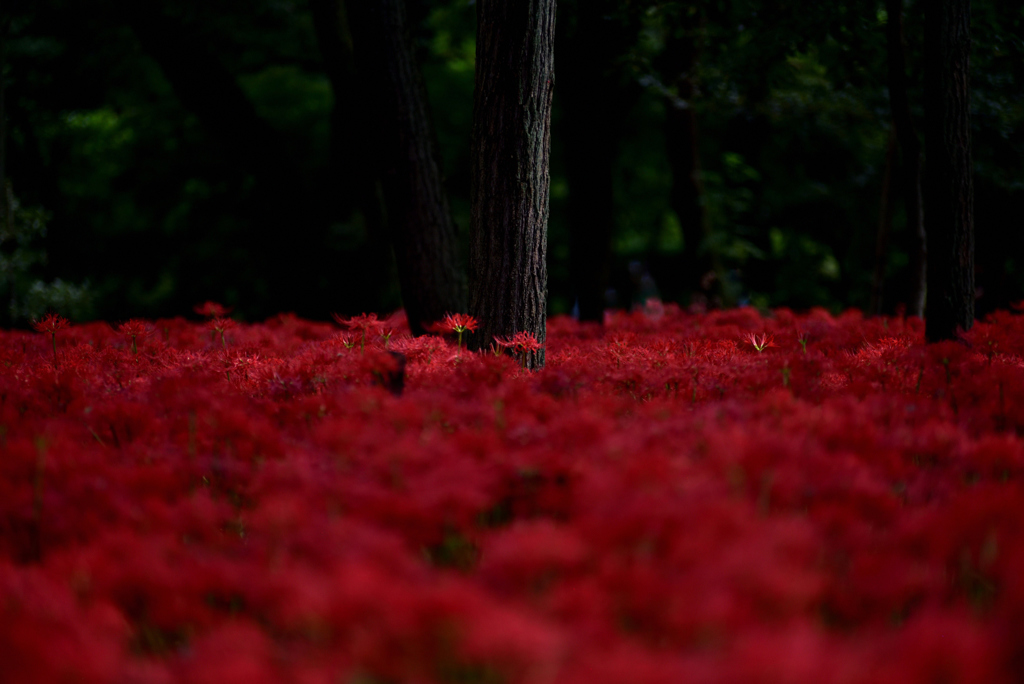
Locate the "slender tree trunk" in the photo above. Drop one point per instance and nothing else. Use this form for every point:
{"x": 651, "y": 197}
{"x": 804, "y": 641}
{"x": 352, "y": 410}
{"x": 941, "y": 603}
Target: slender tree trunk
{"x": 6, "y": 214}
{"x": 697, "y": 273}
{"x": 948, "y": 187}
{"x": 885, "y": 212}
{"x": 910, "y": 147}
{"x": 423, "y": 234}
{"x": 4, "y": 24}
{"x": 595, "y": 98}
{"x": 351, "y": 153}
{"x": 511, "y": 142}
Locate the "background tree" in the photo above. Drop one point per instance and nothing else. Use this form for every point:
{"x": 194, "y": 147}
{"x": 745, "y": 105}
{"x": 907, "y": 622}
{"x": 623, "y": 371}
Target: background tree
{"x": 356, "y": 192}
{"x": 595, "y": 92}
{"x": 948, "y": 178}
{"x": 910, "y": 154}
{"x": 511, "y": 143}
{"x": 157, "y": 208}
{"x": 406, "y": 159}
{"x": 698, "y": 269}
{"x": 904, "y": 174}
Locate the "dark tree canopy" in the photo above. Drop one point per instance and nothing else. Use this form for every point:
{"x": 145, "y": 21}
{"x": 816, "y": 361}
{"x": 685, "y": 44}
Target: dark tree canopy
{"x": 283, "y": 155}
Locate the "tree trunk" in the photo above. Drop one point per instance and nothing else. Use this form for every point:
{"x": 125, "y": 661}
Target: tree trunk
{"x": 351, "y": 153}
{"x": 511, "y": 143}
{"x": 696, "y": 272}
{"x": 4, "y": 218}
{"x": 6, "y": 215}
{"x": 885, "y": 212}
{"x": 423, "y": 234}
{"x": 595, "y": 98}
{"x": 948, "y": 188}
{"x": 910, "y": 148}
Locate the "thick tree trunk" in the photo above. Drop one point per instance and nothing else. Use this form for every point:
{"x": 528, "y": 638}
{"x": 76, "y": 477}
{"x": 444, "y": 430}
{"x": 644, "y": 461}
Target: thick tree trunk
{"x": 511, "y": 142}
{"x": 423, "y": 234}
{"x": 351, "y": 153}
{"x": 594, "y": 98}
{"x": 948, "y": 186}
{"x": 910, "y": 147}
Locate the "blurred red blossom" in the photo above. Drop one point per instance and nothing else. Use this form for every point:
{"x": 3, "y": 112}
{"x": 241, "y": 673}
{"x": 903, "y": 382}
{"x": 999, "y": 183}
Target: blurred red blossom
{"x": 659, "y": 504}
{"x": 50, "y": 323}
{"x": 212, "y": 310}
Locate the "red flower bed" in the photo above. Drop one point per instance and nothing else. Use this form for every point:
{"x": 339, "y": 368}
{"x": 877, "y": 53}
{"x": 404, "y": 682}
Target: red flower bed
{"x": 703, "y": 498}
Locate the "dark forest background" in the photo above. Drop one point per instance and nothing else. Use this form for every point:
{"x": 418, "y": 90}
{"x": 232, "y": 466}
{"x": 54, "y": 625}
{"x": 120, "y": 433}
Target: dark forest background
{"x": 159, "y": 154}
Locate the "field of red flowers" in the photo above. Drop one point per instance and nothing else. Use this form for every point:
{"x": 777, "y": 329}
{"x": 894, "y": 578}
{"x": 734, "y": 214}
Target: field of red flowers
{"x": 715, "y": 498}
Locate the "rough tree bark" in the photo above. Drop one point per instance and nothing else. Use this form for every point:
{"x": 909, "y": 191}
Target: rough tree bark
{"x": 948, "y": 185}
{"x": 511, "y": 142}
{"x": 910, "y": 148}
{"x": 423, "y": 234}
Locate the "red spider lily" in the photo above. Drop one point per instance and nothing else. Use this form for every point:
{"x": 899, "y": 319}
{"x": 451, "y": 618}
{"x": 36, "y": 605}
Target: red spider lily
{"x": 522, "y": 343}
{"x": 761, "y": 342}
{"x": 212, "y": 310}
{"x": 655, "y": 506}
{"x": 459, "y": 323}
{"x": 365, "y": 323}
{"x": 51, "y": 323}
{"x": 219, "y": 326}
{"x": 134, "y": 329}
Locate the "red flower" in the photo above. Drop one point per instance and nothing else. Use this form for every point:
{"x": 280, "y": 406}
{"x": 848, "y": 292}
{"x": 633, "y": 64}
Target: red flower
{"x": 365, "y": 323}
{"x": 220, "y": 326}
{"x": 133, "y": 329}
{"x": 520, "y": 342}
{"x": 761, "y": 343}
{"x": 51, "y": 323}
{"x": 212, "y": 310}
{"x": 459, "y": 323}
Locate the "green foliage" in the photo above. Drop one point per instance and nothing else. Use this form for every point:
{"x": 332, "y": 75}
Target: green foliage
{"x": 26, "y": 297}
{"x": 790, "y": 97}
